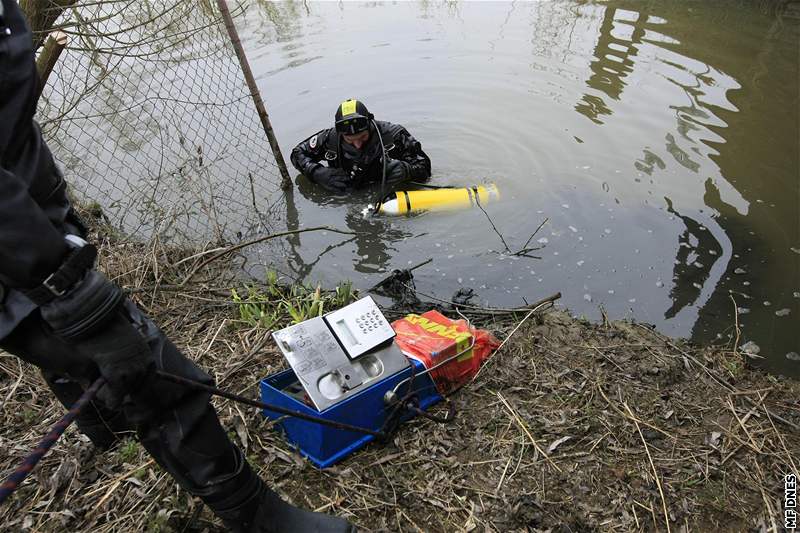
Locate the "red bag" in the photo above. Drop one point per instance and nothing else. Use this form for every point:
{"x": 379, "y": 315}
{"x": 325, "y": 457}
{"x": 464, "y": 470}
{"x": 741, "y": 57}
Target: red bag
{"x": 433, "y": 339}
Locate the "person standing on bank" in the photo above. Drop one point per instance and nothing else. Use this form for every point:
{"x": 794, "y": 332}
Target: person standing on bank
{"x": 354, "y": 151}
{"x": 60, "y": 314}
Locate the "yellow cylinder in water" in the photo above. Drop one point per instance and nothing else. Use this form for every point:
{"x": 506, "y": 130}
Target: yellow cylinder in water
{"x": 439, "y": 199}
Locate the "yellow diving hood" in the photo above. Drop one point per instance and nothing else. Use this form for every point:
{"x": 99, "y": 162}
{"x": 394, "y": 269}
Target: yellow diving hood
{"x": 405, "y": 202}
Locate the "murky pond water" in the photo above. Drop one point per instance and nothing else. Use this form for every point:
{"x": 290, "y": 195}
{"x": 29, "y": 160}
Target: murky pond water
{"x": 660, "y": 140}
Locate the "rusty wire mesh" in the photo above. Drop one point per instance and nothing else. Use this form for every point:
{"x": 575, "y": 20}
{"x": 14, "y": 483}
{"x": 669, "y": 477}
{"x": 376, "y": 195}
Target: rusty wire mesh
{"x": 149, "y": 114}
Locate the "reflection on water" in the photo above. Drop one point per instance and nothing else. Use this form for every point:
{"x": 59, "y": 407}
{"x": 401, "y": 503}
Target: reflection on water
{"x": 299, "y": 266}
{"x": 678, "y": 195}
{"x": 613, "y": 61}
{"x": 279, "y": 22}
{"x": 372, "y": 236}
{"x": 698, "y": 250}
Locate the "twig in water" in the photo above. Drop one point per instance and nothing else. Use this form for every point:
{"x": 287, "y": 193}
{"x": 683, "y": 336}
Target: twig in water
{"x": 487, "y": 310}
{"x": 525, "y": 249}
{"x": 493, "y": 226}
{"x": 253, "y": 193}
{"x": 522, "y": 252}
{"x": 199, "y": 254}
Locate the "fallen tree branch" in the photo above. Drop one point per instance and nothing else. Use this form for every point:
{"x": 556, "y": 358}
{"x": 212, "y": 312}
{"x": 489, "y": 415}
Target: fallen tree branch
{"x": 239, "y": 246}
{"x": 490, "y": 310}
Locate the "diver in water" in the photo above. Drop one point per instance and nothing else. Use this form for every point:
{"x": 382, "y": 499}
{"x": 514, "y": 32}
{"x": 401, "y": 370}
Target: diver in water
{"x": 356, "y": 150}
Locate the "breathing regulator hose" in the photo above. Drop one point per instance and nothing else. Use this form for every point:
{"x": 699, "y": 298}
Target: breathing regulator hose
{"x": 382, "y": 193}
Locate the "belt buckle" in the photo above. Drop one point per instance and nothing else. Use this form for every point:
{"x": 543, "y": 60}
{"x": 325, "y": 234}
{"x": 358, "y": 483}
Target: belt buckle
{"x": 48, "y": 284}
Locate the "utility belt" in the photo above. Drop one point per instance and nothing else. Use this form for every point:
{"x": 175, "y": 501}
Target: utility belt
{"x": 80, "y": 259}
{"x": 71, "y": 271}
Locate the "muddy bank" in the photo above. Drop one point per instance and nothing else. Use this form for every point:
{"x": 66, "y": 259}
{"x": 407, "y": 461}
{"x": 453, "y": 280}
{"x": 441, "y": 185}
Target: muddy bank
{"x": 572, "y": 426}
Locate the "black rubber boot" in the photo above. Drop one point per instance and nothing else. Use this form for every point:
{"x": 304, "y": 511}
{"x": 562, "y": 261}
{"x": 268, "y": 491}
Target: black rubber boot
{"x": 246, "y": 505}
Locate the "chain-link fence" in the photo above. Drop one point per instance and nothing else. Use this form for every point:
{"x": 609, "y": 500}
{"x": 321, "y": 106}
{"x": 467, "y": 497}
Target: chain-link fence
{"x": 149, "y": 114}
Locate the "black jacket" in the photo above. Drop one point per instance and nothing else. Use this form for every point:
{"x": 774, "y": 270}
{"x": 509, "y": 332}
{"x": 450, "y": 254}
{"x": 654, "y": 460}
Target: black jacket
{"x": 365, "y": 166}
{"x": 34, "y": 211}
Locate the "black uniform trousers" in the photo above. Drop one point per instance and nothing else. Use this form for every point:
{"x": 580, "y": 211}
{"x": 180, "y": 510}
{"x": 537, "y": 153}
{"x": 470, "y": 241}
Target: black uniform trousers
{"x": 176, "y": 425}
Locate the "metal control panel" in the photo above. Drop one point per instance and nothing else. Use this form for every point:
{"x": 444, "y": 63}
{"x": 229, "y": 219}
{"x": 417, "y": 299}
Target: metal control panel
{"x": 360, "y": 327}
{"x": 327, "y": 372}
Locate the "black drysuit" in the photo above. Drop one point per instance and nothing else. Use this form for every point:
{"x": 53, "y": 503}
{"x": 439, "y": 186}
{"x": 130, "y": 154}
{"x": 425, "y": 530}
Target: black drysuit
{"x": 364, "y": 166}
{"x": 178, "y": 426}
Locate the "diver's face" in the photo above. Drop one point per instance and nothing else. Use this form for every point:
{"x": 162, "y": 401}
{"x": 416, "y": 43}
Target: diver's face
{"x": 357, "y": 140}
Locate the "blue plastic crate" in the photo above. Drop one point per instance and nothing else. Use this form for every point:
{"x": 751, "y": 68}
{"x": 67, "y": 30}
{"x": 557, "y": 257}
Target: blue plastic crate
{"x": 325, "y": 445}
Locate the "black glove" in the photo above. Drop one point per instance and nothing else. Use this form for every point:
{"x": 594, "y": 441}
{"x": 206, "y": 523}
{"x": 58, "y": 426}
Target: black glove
{"x": 397, "y": 171}
{"x": 91, "y": 317}
{"x": 333, "y": 179}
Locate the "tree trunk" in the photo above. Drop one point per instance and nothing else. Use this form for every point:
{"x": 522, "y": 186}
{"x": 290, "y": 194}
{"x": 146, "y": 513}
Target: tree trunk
{"x": 41, "y": 15}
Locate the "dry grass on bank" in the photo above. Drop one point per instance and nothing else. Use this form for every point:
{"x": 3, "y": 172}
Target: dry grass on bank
{"x": 570, "y": 427}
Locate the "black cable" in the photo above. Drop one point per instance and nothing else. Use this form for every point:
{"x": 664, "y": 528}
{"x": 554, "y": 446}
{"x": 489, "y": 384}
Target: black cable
{"x": 261, "y": 405}
{"x": 389, "y": 426}
{"x": 391, "y": 423}
{"x": 448, "y": 418}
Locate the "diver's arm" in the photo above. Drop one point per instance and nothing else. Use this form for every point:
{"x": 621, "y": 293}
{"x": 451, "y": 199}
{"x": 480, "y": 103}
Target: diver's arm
{"x": 307, "y": 155}
{"x": 409, "y": 150}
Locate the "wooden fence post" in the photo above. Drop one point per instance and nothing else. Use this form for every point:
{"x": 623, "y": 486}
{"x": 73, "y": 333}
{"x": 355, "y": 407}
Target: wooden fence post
{"x": 286, "y": 181}
{"x": 53, "y": 46}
